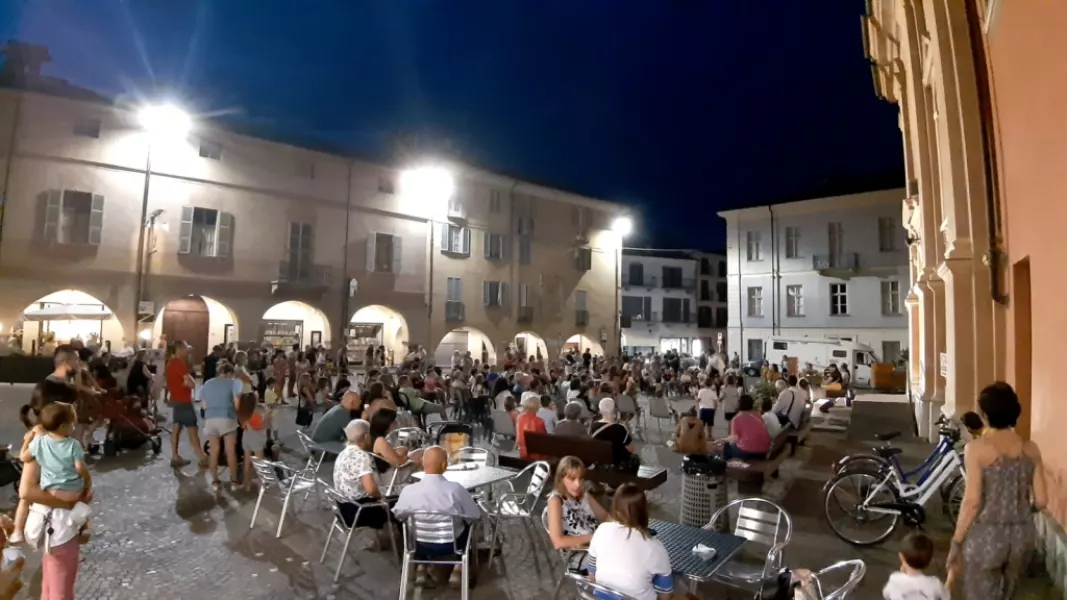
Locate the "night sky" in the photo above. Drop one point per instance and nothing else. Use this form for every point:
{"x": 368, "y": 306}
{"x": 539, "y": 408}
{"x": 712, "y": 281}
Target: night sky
{"x": 680, "y": 108}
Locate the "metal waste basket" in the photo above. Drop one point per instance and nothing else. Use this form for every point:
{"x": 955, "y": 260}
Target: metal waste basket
{"x": 704, "y": 488}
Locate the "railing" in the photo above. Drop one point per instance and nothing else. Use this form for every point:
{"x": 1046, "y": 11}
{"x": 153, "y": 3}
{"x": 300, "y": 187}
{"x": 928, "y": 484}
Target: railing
{"x": 526, "y": 314}
{"x": 648, "y": 281}
{"x": 685, "y": 283}
{"x": 655, "y": 317}
{"x": 454, "y": 311}
{"x": 845, "y": 260}
{"x": 581, "y": 317}
{"x": 304, "y": 273}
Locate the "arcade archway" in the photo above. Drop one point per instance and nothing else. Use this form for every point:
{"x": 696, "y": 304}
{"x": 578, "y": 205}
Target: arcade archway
{"x": 377, "y": 325}
{"x": 200, "y": 321}
{"x": 68, "y": 315}
{"x": 462, "y": 340}
{"x": 294, "y": 323}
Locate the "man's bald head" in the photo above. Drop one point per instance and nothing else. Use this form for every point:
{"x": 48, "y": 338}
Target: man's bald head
{"x": 434, "y": 460}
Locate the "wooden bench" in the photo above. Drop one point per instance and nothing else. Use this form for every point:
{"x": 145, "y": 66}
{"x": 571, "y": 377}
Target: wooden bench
{"x": 596, "y": 454}
{"x": 797, "y": 436}
{"x": 750, "y": 479}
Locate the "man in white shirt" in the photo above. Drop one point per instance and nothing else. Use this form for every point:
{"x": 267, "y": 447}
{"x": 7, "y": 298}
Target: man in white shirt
{"x": 708, "y": 401}
{"x": 547, "y": 412}
{"x": 791, "y": 403}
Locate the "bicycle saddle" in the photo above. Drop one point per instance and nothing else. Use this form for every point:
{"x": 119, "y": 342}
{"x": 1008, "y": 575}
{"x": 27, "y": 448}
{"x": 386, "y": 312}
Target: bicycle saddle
{"x": 887, "y": 452}
{"x": 885, "y": 437}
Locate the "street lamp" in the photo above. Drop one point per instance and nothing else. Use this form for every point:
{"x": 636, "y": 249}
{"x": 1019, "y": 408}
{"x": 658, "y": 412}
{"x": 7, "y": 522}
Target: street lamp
{"x": 428, "y": 185}
{"x": 622, "y": 226}
{"x": 161, "y": 123}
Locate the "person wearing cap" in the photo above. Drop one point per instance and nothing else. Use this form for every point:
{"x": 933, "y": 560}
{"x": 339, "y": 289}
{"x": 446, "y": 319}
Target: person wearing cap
{"x": 610, "y": 430}
{"x": 355, "y": 477}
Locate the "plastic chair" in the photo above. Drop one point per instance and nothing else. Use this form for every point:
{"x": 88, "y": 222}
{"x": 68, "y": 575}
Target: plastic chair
{"x": 856, "y": 570}
{"x": 569, "y": 555}
{"x": 284, "y": 481}
{"x": 339, "y": 525}
{"x": 768, "y": 528}
{"x": 515, "y": 504}
{"x": 435, "y": 528}
{"x": 627, "y": 405}
{"x": 503, "y": 425}
{"x": 659, "y": 409}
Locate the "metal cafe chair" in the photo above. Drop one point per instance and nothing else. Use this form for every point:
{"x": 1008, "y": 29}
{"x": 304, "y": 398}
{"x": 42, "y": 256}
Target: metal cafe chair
{"x": 768, "y": 529}
{"x": 435, "y": 528}
{"x": 588, "y": 590}
{"x": 515, "y": 504}
{"x": 470, "y": 454}
{"x": 855, "y": 569}
{"x": 283, "y": 481}
{"x": 336, "y": 499}
{"x": 570, "y": 556}
{"x": 411, "y": 438}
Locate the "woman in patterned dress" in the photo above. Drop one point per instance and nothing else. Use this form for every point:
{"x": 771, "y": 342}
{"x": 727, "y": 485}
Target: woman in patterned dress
{"x": 1005, "y": 484}
{"x": 573, "y": 513}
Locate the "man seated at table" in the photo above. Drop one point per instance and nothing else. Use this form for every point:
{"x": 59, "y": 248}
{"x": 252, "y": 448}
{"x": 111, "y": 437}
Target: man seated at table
{"x": 447, "y": 499}
{"x": 331, "y": 426}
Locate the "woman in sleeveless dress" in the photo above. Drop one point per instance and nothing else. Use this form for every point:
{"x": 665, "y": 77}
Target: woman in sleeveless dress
{"x": 1005, "y": 484}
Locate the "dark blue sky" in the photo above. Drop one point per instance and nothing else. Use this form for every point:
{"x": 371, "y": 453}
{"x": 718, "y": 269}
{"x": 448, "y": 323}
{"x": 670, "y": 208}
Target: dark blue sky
{"x": 679, "y": 107}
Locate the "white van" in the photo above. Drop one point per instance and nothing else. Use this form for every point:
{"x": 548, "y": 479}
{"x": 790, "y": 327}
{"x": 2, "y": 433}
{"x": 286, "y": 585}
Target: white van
{"x": 820, "y": 352}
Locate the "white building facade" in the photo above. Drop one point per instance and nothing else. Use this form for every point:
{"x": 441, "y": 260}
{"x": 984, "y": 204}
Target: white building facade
{"x": 824, "y": 268}
{"x": 668, "y": 301}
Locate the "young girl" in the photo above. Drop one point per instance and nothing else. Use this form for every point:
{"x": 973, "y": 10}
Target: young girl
{"x": 306, "y": 405}
{"x": 256, "y": 422}
{"x": 62, "y": 463}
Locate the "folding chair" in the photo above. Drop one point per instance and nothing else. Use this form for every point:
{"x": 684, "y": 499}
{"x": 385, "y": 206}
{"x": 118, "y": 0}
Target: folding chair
{"x": 339, "y": 525}
{"x": 284, "y": 481}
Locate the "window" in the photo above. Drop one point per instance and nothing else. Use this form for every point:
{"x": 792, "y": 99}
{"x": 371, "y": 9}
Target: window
{"x": 838, "y": 299}
{"x": 305, "y": 169}
{"x": 87, "y": 127}
{"x": 210, "y": 150}
{"x": 839, "y": 353}
{"x": 383, "y": 253}
{"x": 890, "y": 297}
{"x": 755, "y": 302}
{"x": 720, "y": 316}
{"x": 794, "y": 302}
{"x": 495, "y": 294}
{"x": 705, "y": 267}
{"x": 836, "y": 242}
{"x": 890, "y": 352}
{"x": 672, "y": 277}
{"x": 676, "y": 310}
{"x": 752, "y": 239}
{"x": 494, "y": 201}
{"x": 301, "y": 246}
{"x": 581, "y": 308}
{"x": 580, "y": 218}
{"x": 525, "y": 248}
{"x": 755, "y": 349}
{"x": 792, "y": 242}
{"x": 495, "y": 246}
{"x": 73, "y": 217}
{"x": 525, "y": 226}
{"x": 780, "y": 345}
{"x": 705, "y": 290}
{"x": 583, "y": 259}
{"x": 638, "y": 308}
{"x": 526, "y": 311}
{"x": 636, "y": 273}
{"x": 455, "y": 239}
{"x": 207, "y": 232}
{"x": 887, "y": 234}
{"x": 704, "y": 318}
{"x": 720, "y": 291}
{"x": 454, "y": 300}
{"x": 722, "y": 271}
{"x": 385, "y": 184}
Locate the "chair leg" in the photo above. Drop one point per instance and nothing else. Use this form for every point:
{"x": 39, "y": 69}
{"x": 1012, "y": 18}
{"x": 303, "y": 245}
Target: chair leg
{"x": 392, "y": 539}
{"x": 464, "y": 575}
{"x": 281, "y": 517}
{"x": 344, "y": 552}
{"x": 329, "y": 537}
{"x": 318, "y": 465}
{"x": 404, "y": 568}
{"x": 495, "y": 525}
{"x": 559, "y": 583}
{"x": 255, "y": 512}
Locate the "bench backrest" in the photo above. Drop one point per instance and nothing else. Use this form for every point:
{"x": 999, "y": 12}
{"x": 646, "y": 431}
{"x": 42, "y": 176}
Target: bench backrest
{"x": 779, "y": 442}
{"x": 592, "y": 452}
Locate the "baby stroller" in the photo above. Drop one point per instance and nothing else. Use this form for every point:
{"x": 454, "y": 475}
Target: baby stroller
{"x": 128, "y": 427}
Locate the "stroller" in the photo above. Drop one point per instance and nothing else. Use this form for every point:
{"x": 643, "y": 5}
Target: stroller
{"x": 128, "y": 427}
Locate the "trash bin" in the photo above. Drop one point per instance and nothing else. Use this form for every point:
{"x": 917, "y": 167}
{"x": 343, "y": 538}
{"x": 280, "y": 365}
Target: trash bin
{"x": 704, "y": 488}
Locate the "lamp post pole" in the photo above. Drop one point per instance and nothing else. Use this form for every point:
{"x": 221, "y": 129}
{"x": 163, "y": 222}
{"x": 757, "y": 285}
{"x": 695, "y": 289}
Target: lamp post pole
{"x": 141, "y": 238}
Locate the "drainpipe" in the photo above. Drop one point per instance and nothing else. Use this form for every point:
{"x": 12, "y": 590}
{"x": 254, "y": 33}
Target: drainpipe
{"x": 513, "y": 260}
{"x": 12, "y": 141}
{"x": 346, "y": 285}
{"x": 742, "y": 311}
{"x": 994, "y": 255}
{"x": 775, "y": 281}
{"x": 137, "y": 293}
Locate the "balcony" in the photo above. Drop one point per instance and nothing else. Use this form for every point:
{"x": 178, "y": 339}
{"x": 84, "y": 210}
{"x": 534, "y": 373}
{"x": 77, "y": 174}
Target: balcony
{"x": 581, "y": 317}
{"x": 655, "y": 317}
{"x": 301, "y": 279}
{"x": 837, "y": 265}
{"x": 686, "y": 283}
{"x": 645, "y": 282}
{"x": 454, "y": 312}
{"x": 526, "y": 314}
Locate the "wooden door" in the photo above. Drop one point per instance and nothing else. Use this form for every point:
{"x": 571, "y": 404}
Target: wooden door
{"x": 187, "y": 319}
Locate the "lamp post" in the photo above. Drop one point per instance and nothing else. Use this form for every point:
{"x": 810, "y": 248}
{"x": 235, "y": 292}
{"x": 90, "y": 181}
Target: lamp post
{"x": 622, "y": 226}
{"x": 160, "y": 123}
{"x": 429, "y": 187}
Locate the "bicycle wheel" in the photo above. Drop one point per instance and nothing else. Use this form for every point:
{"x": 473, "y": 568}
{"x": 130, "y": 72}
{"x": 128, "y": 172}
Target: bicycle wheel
{"x": 952, "y": 498}
{"x": 861, "y": 462}
{"x": 846, "y": 515}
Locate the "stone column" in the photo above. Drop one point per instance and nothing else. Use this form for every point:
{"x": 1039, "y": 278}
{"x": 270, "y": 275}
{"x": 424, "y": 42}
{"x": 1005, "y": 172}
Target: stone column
{"x": 958, "y": 275}
{"x": 931, "y": 344}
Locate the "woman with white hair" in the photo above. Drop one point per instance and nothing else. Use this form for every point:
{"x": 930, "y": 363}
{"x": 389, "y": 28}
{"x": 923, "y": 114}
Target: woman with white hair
{"x": 610, "y": 430}
{"x": 528, "y": 421}
{"x": 355, "y": 477}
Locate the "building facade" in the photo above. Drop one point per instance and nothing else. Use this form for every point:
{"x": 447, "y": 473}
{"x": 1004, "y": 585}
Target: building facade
{"x": 248, "y": 240}
{"x": 981, "y": 87}
{"x": 824, "y": 268}
{"x": 668, "y": 301}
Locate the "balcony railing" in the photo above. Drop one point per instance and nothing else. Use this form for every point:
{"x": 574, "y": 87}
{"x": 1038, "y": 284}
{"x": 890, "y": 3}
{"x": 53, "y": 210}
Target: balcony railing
{"x": 303, "y": 273}
{"x": 454, "y": 312}
{"x": 526, "y": 314}
{"x": 686, "y": 283}
{"x": 848, "y": 261}
{"x": 648, "y": 281}
{"x": 655, "y": 317}
{"x": 581, "y": 317}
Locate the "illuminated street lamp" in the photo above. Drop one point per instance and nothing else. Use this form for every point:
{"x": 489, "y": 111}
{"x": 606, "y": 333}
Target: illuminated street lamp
{"x": 429, "y": 186}
{"x": 622, "y": 226}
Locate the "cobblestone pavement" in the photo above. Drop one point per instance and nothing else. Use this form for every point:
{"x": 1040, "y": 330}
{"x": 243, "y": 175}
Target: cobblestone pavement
{"x": 162, "y": 532}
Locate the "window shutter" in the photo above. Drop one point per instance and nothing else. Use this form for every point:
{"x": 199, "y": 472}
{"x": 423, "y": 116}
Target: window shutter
{"x": 466, "y": 250}
{"x": 397, "y": 254}
{"x": 487, "y": 244}
{"x": 224, "y": 236}
{"x": 505, "y": 248}
{"x": 487, "y": 294}
{"x": 371, "y": 249}
{"x": 96, "y": 220}
{"x": 529, "y": 225}
{"x": 503, "y": 294}
{"x": 185, "y": 231}
{"x": 445, "y": 238}
{"x": 53, "y": 208}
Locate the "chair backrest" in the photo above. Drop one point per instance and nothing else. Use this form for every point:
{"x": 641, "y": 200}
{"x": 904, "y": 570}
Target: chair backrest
{"x": 411, "y": 438}
{"x": 267, "y": 473}
{"x": 305, "y": 441}
{"x": 659, "y": 408}
{"x": 430, "y": 528}
{"x": 855, "y": 568}
{"x": 544, "y": 519}
{"x": 502, "y": 424}
{"x": 625, "y": 404}
{"x": 762, "y": 522}
{"x": 470, "y": 454}
{"x": 539, "y": 472}
{"x": 588, "y": 590}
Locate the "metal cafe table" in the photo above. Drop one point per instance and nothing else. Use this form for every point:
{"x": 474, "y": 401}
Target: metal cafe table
{"x": 679, "y": 541}
{"x": 473, "y": 477}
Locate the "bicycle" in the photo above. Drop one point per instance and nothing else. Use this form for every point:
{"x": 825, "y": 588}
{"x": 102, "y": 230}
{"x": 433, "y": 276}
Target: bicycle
{"x": 885, "y": 495}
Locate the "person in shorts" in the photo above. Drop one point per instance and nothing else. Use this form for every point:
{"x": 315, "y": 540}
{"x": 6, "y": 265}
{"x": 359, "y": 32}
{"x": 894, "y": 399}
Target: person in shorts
{"x": 180, "y": 386}
{"x": 256, "y": 422}
{"x": 220, "y": 398}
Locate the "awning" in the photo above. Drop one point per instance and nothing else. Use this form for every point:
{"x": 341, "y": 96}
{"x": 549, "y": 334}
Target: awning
{"x": 68, "y": 312}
